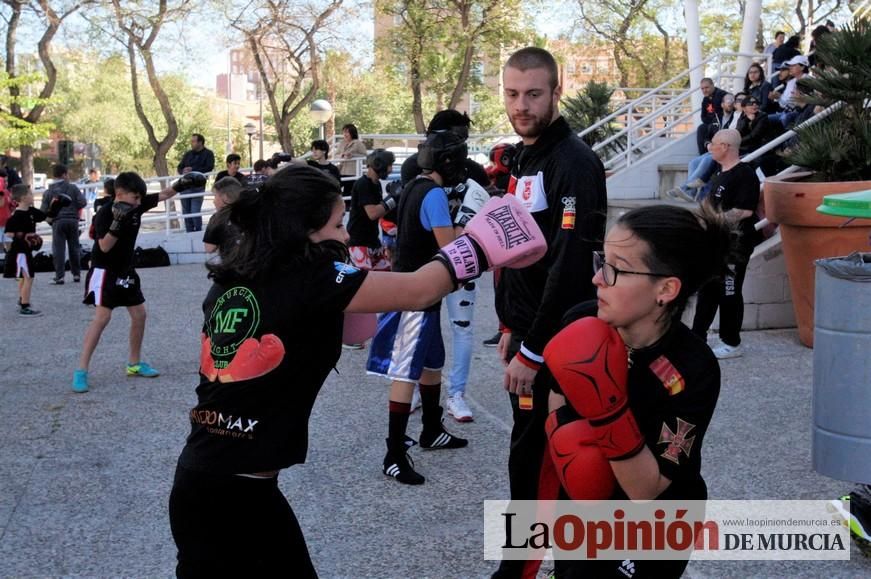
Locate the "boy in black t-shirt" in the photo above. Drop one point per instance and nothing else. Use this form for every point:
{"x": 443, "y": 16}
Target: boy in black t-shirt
{"x": 320, "y": 154}
{"x": 220, "y": 234}
{"x": 367, "y": 207}
{"x": 21, "y": 227}
{"x": 234, "y": 161}
{"x": 112, "y": 282}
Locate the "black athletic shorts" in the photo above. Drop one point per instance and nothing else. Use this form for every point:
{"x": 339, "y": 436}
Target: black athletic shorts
{"x": 104, "y": 288}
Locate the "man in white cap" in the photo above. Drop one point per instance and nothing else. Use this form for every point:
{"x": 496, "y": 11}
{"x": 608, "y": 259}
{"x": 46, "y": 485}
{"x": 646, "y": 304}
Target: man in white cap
{"x": 798, "y": 66}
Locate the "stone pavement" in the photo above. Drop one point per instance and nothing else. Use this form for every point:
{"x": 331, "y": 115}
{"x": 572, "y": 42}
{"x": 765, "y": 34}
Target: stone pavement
{"x": 84, "y": 479}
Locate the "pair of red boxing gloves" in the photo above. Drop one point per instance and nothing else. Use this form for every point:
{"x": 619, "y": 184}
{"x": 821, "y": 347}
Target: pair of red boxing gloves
{"x": 588, "y": 360}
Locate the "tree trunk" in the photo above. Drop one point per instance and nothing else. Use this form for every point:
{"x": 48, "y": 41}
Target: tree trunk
{"x": 26, "y": 164}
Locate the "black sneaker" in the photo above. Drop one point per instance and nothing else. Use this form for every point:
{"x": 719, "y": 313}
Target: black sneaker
{"x": 77, "y": 279}
{"x": 29, "y": 312}
{"x": 855, "y": 511}
{"x": 400, "y": 466}
{"x": 57, "y": 282}
{"x": 442, "y": 440}
{"x": 494, "y": 341}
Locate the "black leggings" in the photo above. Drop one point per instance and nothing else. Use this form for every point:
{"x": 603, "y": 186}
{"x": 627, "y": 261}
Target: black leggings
{"x": 726, "y": 295}
{"x": 225, "y": 525}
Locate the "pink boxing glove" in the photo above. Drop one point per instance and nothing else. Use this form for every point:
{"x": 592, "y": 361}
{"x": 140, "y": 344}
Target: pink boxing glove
{"x": 502, "y": 234}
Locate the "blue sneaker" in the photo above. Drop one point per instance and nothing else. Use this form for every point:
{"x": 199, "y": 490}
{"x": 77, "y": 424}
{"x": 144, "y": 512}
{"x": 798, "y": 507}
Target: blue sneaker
{"x": 142, "y": 369}
{"x": 80, "y": 381}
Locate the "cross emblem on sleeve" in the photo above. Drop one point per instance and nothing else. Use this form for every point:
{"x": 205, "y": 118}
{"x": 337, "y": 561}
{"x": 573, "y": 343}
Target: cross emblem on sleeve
{"x": 677, "y": 442}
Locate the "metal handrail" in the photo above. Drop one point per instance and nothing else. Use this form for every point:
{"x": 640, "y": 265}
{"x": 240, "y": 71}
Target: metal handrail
{"x": 673, "y": 108}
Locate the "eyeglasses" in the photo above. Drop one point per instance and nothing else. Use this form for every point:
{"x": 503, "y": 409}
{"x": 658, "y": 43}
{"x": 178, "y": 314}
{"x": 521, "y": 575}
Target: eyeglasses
{"x": 609, "y": 272}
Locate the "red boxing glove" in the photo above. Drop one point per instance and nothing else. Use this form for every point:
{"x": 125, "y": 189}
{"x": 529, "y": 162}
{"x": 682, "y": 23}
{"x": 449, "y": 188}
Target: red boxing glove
{"x": 582, "y": 469}
{"x": 588, "y": 360}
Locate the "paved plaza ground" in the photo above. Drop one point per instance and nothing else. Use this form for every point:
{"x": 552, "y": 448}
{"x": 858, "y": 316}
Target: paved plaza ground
{"x": 84, "y": 479}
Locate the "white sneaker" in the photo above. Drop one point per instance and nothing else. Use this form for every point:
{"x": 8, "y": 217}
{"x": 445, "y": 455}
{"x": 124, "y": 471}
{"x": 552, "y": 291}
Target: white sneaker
{"x": 415, "y": 399}
{"x": 724, "y": 351}
{"x": 458, "y": 408}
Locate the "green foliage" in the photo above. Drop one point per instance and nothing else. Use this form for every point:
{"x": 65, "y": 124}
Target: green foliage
{"x": 839, "y": 148}
{"x": 376, "y": 100}
{"x": 94, "y": 104}
{"x": 588, "y": 107}
{"x": 15, "y": 131}
{"x": 433, "y": 38}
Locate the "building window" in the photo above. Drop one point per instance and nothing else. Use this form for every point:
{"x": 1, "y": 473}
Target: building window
{"x": 570, "y": 67}
{"x": 586, "y": 68}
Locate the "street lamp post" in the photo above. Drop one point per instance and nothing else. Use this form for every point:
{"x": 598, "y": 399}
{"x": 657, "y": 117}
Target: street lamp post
{"x": 321, "y": 111}
{"x": 250, "y": 129}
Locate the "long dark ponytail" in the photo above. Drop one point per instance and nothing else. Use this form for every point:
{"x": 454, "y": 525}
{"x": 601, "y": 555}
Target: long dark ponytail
{"x": 275, "y": 221}
{"x": 691, "y": 245}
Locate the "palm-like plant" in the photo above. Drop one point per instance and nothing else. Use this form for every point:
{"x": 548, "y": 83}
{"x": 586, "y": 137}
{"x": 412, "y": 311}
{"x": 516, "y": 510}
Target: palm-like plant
{"x": 587, "y": 108}
{"x": 839, "y": 148}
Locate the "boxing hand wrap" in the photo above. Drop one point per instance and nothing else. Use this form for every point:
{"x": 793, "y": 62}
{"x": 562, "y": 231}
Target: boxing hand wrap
{"x": 502, "y": 234}
{"x": 582, "y": 469}
{"x": 588, "y": 360}
{"x": 474, "y": 198}
{"x": 189, "y": 180}
{"x": 120, "y": 213}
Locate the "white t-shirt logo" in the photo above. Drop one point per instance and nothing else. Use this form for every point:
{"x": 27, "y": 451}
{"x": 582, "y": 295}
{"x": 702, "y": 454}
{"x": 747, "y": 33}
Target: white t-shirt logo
{"x": 530, "y": 191}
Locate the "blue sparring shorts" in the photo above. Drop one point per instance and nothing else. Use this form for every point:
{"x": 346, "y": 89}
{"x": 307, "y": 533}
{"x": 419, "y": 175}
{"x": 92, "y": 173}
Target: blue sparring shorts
{"x": 406, "y": 344}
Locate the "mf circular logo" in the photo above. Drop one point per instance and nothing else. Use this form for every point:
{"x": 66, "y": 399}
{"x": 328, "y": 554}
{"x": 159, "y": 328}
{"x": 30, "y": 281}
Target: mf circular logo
{"x": 234, "y": 319}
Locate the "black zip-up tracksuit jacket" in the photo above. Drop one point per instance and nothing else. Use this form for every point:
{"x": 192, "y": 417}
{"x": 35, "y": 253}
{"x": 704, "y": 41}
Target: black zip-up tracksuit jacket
{"x": 531, "y": 301}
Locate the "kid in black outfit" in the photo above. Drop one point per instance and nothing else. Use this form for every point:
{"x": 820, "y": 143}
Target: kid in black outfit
{"x": 260, "y": 375}
{"x": 21, "y": 227}
{"x": 320, "y": 154}
{"x": 112, "y": 282}
{"x": 221, "y": 235}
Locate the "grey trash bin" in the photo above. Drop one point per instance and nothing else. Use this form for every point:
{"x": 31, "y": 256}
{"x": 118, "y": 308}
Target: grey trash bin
{"x": 842, "y": 368}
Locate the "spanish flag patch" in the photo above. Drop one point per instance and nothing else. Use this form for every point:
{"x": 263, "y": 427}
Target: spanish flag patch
{"x": 671, "y": 379}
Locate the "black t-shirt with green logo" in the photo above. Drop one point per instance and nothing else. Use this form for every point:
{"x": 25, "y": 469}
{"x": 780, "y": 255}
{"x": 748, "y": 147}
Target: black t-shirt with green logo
{"x": 266, "y": 350}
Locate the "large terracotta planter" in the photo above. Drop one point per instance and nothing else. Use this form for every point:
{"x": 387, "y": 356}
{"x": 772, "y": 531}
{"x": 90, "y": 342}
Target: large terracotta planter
{"x": 808, "y": 235}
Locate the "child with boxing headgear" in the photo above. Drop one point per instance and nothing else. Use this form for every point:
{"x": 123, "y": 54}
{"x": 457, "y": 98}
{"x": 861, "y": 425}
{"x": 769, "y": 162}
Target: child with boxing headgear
{"x": 408, "y": 348}
{"x": 368, "y": 205}
{"x": 21, "y": 227}
{"x": 272, "y": 333}
{"x": 112, "y": 280}
{"x": 634, "y": 388}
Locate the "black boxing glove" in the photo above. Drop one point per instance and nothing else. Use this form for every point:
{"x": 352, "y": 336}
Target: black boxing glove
{"x": 121, "y": 212}
{"x": 191, "y": 180}
{"x": 57, "y": 203}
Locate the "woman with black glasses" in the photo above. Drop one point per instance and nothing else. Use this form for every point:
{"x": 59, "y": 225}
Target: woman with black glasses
{"x": 634, "y": 388}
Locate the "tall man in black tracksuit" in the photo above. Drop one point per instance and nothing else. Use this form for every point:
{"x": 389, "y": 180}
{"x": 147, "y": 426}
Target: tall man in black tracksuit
{"x": 562, "y": 183}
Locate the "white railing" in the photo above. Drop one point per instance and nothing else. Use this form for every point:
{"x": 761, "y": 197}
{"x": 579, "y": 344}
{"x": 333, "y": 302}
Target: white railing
{"x": 662, "y": 114}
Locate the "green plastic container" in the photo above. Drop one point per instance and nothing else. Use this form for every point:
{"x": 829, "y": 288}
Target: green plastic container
{"x": 854, "y": 205}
